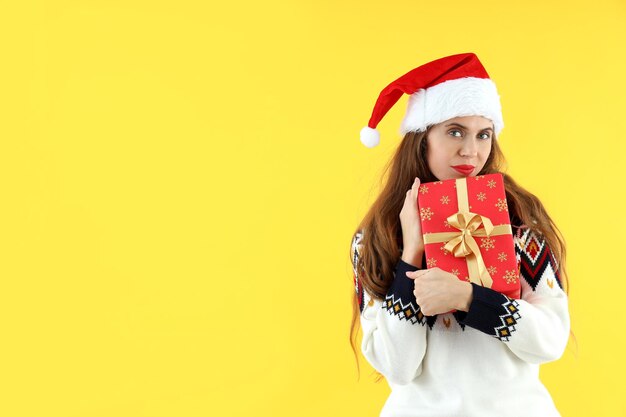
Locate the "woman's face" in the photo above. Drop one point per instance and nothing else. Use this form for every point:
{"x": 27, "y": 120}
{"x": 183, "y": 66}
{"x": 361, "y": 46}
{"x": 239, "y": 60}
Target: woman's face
{"x": 459, "y": 141}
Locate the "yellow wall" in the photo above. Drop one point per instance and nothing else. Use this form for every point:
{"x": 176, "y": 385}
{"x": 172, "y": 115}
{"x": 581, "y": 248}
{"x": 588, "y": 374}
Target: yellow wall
{"x": 180, "y": 181}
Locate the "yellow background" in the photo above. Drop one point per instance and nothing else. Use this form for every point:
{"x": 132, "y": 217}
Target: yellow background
{"x": 180, "y": 181}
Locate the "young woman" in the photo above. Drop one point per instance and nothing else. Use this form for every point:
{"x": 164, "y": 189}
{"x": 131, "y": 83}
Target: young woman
{"x": 483, "y": 359}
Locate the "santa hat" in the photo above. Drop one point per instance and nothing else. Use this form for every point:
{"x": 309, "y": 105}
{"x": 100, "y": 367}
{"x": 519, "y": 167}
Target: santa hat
{"x": 452, "y": 86}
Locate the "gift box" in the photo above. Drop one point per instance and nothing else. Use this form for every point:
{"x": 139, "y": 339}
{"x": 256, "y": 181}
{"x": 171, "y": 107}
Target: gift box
{"x": 467, "y": 231}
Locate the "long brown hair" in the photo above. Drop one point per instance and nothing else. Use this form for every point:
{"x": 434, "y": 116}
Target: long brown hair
{"x": 381, "y": 245}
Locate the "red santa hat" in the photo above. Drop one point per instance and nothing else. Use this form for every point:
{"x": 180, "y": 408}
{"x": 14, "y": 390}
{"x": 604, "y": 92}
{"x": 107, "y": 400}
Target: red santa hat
{"x": 452, "y": 86}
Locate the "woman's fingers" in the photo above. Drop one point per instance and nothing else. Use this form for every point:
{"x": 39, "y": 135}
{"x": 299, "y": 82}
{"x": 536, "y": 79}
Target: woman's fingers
{"x": 418, "y": 273}
{"x": 414, "y": 189}
{"x": 414, "y": 186}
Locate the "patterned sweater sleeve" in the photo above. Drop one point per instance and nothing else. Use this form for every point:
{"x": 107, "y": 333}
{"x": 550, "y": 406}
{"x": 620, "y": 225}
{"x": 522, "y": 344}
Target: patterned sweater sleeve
{"x": 535, "y": 327}
{"x": 394, "y": 331}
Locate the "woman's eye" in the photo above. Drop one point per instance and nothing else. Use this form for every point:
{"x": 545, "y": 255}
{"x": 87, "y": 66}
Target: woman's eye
{"x": 484, "y": 135}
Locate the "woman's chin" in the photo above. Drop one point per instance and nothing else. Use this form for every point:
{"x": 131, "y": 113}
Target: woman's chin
{"x": 454, "y": 176}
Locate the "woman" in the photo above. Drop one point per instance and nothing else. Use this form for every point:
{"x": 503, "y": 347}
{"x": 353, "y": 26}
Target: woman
{"x": 483, "y": 359}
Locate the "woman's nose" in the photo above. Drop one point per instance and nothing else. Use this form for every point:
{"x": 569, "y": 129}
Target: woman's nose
{"x": 469, "y": 147}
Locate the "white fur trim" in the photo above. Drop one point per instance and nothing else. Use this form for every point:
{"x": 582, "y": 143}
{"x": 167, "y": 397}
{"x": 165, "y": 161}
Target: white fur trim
{"x": 468, "y": 96}
{"x": 370, "y": 137}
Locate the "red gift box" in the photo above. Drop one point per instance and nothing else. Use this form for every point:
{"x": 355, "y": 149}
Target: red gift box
{"x": 467, "y": 231}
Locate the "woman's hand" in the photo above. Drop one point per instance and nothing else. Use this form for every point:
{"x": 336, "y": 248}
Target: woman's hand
{"x": 437, "y": 291}
{"x": 410, "y": 220}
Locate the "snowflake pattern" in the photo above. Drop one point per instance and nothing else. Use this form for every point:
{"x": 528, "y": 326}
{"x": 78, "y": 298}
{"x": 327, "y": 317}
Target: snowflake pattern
{"x": 445, "y": 251}
{"x": 502, "y": 256}
{"x": 445, "y": 199}
{"x": 491, "y": 184}
{"x": 492, "y": 270}
{"x": 510, "y": 277}
{"x": 431, "y": 262}
{"x": 481, "y": 196}
{"x": 446, "y": 224}
{"x": 456, "y": 272}
{"x": 501, "y": 204}
{"x": 423, "y": 189}
{"x": 426, "y": 213}
{"x": 487, "y": 243}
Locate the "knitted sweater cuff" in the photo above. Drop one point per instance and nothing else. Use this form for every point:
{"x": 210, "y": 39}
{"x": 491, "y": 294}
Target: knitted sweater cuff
{"x": 491, "y": 312}
{"x": 400, "y": 300}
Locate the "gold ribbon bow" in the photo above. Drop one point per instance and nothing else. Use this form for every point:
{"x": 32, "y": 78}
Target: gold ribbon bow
{"x": 462, "y": 243}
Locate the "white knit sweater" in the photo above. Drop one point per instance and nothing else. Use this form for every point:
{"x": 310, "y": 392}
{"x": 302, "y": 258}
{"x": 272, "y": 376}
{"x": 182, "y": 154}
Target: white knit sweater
{"x": 484, "y": 362}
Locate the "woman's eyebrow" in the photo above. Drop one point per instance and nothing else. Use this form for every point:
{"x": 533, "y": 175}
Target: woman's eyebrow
{"x": 460, "y": 125}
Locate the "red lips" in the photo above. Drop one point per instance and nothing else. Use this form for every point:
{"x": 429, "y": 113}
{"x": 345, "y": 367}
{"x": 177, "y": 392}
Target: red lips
{"x": 464, "y": 169}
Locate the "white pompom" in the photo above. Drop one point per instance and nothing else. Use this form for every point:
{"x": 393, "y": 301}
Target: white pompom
{"x": 370, "y": 137}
